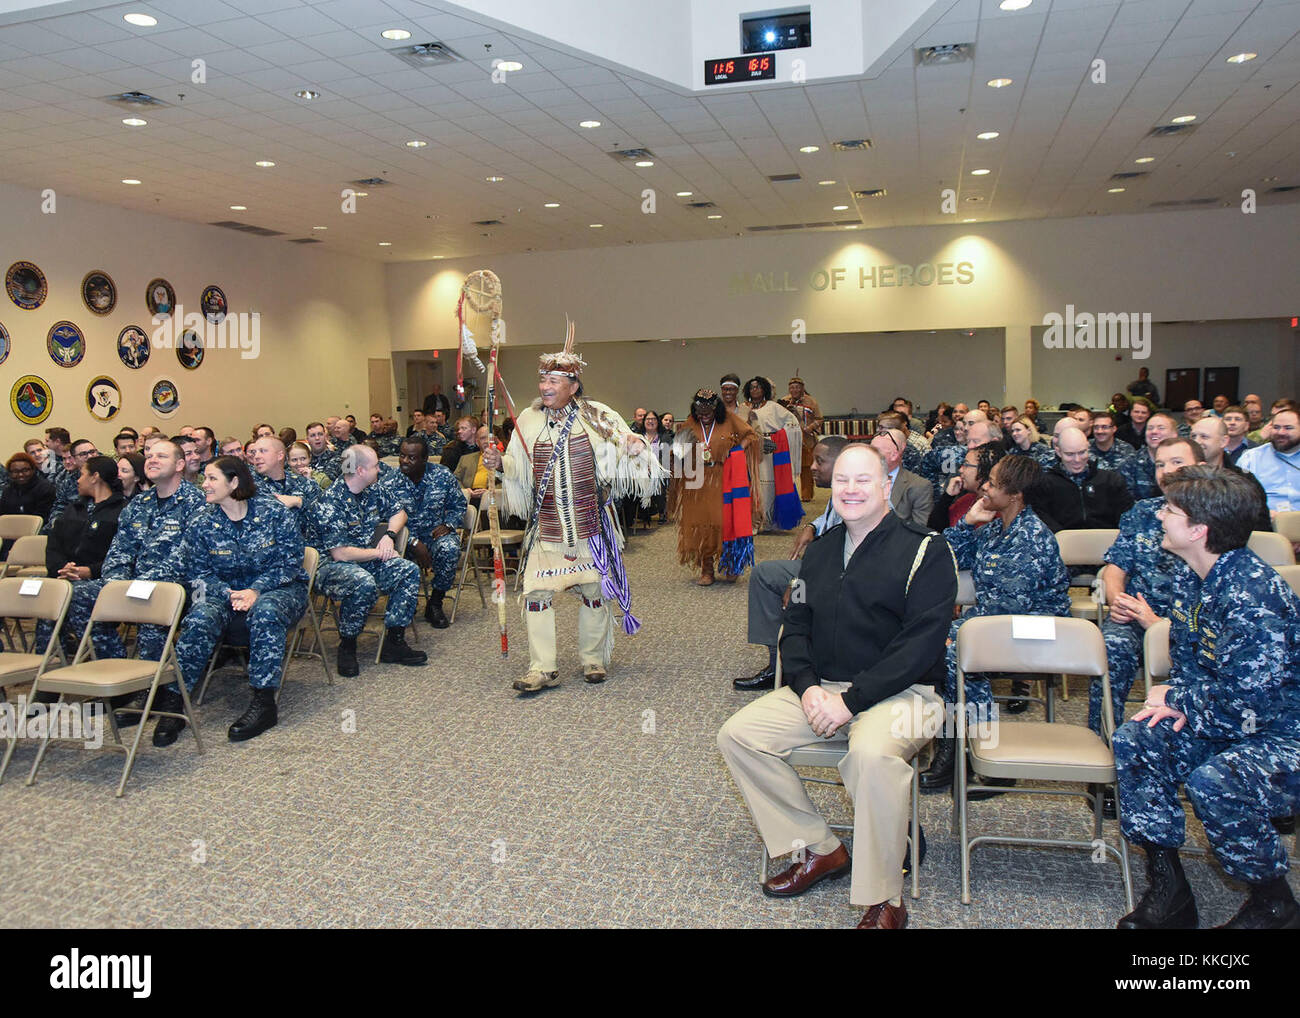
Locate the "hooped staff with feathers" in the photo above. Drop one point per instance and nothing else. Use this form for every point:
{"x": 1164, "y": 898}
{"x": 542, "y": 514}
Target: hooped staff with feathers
{"x": 569, "y": 459}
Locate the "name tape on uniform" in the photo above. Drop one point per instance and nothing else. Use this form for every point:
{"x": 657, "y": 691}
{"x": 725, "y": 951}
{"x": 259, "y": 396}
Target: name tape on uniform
{"x": 141, "y": 590}
{"x": 1033, "y": 627}
{"x": 29, "y": 588}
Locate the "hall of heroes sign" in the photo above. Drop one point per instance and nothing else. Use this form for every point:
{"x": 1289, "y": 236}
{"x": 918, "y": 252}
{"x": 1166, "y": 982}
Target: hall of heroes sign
{"x": 862, "y": 277}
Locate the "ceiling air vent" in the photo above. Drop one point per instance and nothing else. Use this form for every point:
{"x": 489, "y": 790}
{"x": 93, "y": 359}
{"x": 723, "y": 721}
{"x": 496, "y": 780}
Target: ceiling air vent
{"x": 368, "y": 182}
{"x": 781, "y": 178}
{"x": 871, "y": 192}
{"x": 1167, "y": 130}
{"x": 1130, "y": 175}
{"x": 701, "y": 205}
{"x": 304, "y": 240}
{"x": 939, "y": 56}
{"x": 487, "y": 222}
{"x": 632, "y": 154}
{"x": 852, "y": 145}
{"x": 1284, "y": 189}
{"x": 427, "y": 54}
{"x": 135, "y": 100}
{"x": 804, "y": 226}
{"x": 257, "y": 231}
{"x": 1183, "y": 203}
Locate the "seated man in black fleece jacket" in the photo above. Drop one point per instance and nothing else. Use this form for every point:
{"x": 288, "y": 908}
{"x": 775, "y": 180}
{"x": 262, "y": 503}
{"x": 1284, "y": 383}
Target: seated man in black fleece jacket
{"x": 863, "y": 643}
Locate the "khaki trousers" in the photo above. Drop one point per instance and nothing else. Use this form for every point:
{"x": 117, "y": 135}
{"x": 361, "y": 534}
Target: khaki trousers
{"x": 881, "y": 742}
{"x": 595, "y": 629}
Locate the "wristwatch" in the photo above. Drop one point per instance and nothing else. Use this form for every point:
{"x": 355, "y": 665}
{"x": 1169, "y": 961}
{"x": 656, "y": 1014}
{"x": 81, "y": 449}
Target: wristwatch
{"x": 391, "y": 536}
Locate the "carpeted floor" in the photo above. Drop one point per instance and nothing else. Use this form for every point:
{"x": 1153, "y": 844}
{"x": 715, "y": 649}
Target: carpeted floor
{"x": 457, "y": 803}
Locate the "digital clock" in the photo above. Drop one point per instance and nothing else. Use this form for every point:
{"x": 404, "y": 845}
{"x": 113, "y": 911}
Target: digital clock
{"x": 729, "y": 70}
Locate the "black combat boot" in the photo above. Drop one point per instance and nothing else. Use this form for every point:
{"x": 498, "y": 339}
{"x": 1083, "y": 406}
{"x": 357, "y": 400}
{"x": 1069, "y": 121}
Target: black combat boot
{"x": 1270, "y": 906}
{"x": 260, "y": 716}
{"x": 938, "y": 777}
{"x": 168, "y": 730}
{"x": 1168, "y": 903}
{"x": 347, "y": 657}
{"x": 396, "y": 650}
{"x": 433, "y": 613}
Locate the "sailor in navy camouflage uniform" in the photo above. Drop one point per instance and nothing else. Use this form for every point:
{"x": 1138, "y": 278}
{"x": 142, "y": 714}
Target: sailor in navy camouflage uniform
{"x": 1139, "y": 472}
{"x": 296, "y": 493}
{"x": 1137, "y": 581}
{"x": 360, "y": 559}
{"x": 1103, "y": 426}
{"x": 146, "y": 547}
{"x": 243, "y": 558}
{"x": 1014, "y": 561}
{"x": 435, "y": 507}
{"x": 1227, "y": 724}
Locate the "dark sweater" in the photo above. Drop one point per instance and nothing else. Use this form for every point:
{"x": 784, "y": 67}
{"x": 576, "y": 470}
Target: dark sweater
{"x": 82, "y": 535}
{"x": 855, "y": 625}
{"x": 1097, "y": 504}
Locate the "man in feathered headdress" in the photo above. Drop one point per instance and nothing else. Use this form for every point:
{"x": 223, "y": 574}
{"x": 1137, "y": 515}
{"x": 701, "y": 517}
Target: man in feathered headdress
{"x": 569, "y": 459}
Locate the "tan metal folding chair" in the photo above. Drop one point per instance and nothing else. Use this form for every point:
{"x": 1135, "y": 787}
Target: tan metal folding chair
{"x": 829, "y": 753}
{"x": 481, "y": 541}
{"x": 27, "y": 556}
{"x": 1032, "y": 750}
{"x": 16, "y": 525}
{"x": 1275, "y": 549}
{"x": 1291, "y": 574}
{"x": 100, "y": 679}
{"x": 469, "y": 526}
{"x": 1287, "y": 523}
{"x": 292, "y": 647}
{"x": 1084, "y": 548}
{"x": 47, "y": 600}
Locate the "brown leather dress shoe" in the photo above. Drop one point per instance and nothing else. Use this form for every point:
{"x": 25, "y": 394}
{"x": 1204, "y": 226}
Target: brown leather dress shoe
{"x": 803, "y": 875}
{"x": 884, "y": 917}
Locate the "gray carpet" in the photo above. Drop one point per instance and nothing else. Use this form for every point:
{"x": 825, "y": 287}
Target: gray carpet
{"x": 456, "y": 803}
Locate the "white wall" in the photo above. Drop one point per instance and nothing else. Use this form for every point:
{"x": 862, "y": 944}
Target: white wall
{"x": 322, "y": 316}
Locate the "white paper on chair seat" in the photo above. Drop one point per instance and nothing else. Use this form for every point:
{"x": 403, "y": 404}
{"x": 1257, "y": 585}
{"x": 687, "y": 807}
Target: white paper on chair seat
{"x": 29, "y": 588}
{"x": 1033, "y": 627}
{"x": 141, "y": 590}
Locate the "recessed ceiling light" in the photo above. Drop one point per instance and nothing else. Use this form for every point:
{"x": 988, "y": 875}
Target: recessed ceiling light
{"x": 1145, "y": 159}
{"x": 826, "y": 183}
{"x": 715, "y": 216}
{"x": 1241, "y": 58}
{"x": 438, "y": 258}
{"x": 509, "y": 65}
{"x": 974, "y": 197}
{"x": 979, "y": 173}
{"x": 685, "y": 194}
{"x": 987, "y": 135}
{"x": 320, "y": 227}
{"x": 494, "y": 179}
{"x": 129, "y": 180}
{"x": 970, "y": 220}
{"x": 810, "y": 148}
{"x": 140, "y": 20}
{"x": 551, "y": 205}
{"x": 385, "y": 243}
{"x": 265, "y": 164}
{"x": 395, "y": 34}
{"x": 360, "y": 194}
{"x": 645, "y": 164}
{"x": 596, "y": 226}
{"x": 1186, "y": 118}
{"x": 1114, "y": 190}
{"x": 1014, "y": 5}
{"x": 839, "y": 208}
{"x": 238, "y": 208}
{"x": 134, "y": 122}
{"x": 998, "y": 82}
{"x": 851, "y": 226}
{"x": 416, "y": 143}
{"x": 307, "y": 93}
{"x": 589, "y": 123}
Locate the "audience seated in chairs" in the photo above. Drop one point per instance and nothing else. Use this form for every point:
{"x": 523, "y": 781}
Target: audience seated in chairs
{"x": 242, "y": 557}
{"x": 964, "y": 490}
{"x": 357, "y": 522}
{"x": 296, "y": 493}
{"x": 1224, "y": 726}
{"x": 861, "y": 650}
{"x": 1077, "y": 495}
{"x": 435, "y": 507}
{"x": 29, "y": 492}
{"x": 1017, "y": 570}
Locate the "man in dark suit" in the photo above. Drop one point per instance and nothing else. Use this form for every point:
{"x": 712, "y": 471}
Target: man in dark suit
{"x": 910, "y": 496}
{"x": 862, "y": 645}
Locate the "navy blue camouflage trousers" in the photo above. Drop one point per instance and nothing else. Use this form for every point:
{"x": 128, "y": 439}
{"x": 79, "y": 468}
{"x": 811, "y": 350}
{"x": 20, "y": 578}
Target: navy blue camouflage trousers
{"x": 1236, "y": 787}
{"x": 357, "y": 586}
{"x": 273, "y": 615}
{"x": 1123, "y": 657}
{"x": 105, "y": 637}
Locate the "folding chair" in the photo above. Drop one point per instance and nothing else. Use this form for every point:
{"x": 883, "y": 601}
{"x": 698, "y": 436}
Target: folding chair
{"x": 828, "y": 754}
{"x": 1032, "y": 750}
{"x": 27, "y": 556}
{"x": 310, "y": 562}
{"x": 1084, "y": 548}
{"x": 101, "y": 679}
{"x": 1275, "y": 549}
{"x": 1291, "y": 574}
{"x": 469, "y": 526}
{"x": 17, "y": 525}
{"x": 965, "y": 598}
{"x": 1287, "y": 523}
{"x": 481, "y": 541}
{"x": 35, "y": 599}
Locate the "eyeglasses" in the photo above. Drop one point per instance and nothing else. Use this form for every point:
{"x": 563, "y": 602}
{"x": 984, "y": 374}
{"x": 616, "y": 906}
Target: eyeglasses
{"x": 885, "y": 434}
{"x": 1167, "y": 510}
